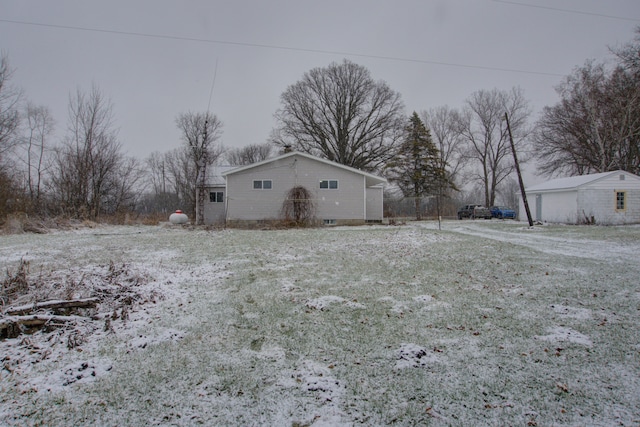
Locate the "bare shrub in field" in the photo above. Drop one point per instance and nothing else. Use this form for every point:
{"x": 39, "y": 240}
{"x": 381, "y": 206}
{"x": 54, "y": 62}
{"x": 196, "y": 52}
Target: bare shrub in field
{"x": 15, "y": 283}
{"x": 298, "y": 209}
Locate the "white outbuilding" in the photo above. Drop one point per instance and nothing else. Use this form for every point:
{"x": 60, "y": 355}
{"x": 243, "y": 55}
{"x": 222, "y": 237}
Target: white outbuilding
{"x": 607, "y": 198}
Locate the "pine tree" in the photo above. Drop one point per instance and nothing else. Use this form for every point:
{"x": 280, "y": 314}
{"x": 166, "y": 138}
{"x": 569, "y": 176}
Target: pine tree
{"x": 417, "y": 168}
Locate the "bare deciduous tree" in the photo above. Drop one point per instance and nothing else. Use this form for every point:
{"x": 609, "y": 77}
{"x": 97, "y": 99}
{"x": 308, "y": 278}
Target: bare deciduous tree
{"x": 596, "y": 125}
{"x": 86, "y": 162}
{"x": 484, "y": 129}
{"x": 248, "y": 155}
{"x": 10, "y": 97}
{"x": 446, "y": 131}
{"x": 181, "y": 174}
{"x": 342, "y": 114}
{"x": 509, "y": 192}
{"x": 199, "y": 133}
{"x": 163, "y": 197}
{"x": 39, "y": 125}
{"x": 629, "y": 55}
{"x": 122, "y": 187}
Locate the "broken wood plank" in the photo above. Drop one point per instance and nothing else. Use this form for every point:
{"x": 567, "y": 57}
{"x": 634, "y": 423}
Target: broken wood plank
{"x": 52, "y": 305}
{"x": 38, "y": 319}
{"x": 12, "y": 326}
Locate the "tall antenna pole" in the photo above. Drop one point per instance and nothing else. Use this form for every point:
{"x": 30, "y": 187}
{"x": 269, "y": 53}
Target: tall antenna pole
{"x": 213, "y": 84}
{"x": 205, "y": 157}
{"x": 515, "y": 159}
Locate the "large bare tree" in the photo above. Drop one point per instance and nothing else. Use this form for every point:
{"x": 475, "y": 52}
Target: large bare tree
{"x": 485, "y": 131}
{"x": 596, "y": 125}
{"x": 342, "y": 114}
{"x": 87, "y": 162}
{"x": 200, "y": 133}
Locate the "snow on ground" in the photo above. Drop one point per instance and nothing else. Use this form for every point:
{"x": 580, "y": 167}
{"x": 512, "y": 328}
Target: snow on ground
{"x": 480, "y": 323}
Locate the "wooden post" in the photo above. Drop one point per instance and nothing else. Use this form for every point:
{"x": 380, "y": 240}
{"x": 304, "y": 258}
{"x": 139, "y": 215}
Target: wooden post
{"x": 515, "y": 159}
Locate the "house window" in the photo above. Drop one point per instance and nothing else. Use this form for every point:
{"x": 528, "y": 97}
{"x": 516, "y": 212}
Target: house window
{"x": 331, "y": 184}
{"x": 262, "y": 184}
{"x": 329, "y": 222}
{"x": 216, "y": 197}
{"x": 621, "y": 200}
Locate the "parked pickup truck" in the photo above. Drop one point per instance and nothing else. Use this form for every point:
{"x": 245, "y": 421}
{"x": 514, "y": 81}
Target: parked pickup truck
{"x": 502, "y": 212}
{"x": 473, "y": 212}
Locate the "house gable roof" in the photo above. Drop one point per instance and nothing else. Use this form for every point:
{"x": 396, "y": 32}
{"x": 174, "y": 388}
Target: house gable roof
{"x": 370, "y": 178}
{"x": 574, "y": 182}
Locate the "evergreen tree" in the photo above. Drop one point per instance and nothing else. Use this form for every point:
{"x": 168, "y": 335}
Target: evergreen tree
{"x": 417, "y": 168}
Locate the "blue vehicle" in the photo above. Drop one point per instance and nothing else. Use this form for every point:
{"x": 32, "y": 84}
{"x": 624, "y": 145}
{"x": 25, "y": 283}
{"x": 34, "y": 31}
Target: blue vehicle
{"x": 502, "y": 212}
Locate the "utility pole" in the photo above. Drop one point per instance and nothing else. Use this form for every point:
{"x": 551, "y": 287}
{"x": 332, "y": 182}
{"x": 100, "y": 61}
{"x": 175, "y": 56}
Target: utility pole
{"x": 515, "y": 159}
{"x": 202, "y": 163}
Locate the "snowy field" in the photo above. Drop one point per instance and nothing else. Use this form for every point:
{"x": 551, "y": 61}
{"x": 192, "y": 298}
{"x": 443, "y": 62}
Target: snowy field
{"x": 481, "y": 323}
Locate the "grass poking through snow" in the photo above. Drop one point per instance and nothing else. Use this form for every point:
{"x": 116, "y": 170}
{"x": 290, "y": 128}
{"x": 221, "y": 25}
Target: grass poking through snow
{"x": 481, "y": 323}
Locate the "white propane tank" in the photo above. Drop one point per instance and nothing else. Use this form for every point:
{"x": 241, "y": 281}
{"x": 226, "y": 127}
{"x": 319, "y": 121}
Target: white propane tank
{"x": 178, "y": 217}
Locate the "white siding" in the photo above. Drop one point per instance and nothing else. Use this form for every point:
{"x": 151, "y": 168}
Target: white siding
{"x": 245, "y": 203}
{"x": 558, "y": 206}
{"x": 374, "y": 203}
{"x": 592, "y": 200}
{"x": 214, "y": 212}
{"x": 598, "y": 200}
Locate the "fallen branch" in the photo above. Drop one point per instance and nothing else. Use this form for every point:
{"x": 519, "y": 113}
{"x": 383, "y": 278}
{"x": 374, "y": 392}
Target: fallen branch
{"x": 10, "y": 327}
{"x": 52, "y": 305}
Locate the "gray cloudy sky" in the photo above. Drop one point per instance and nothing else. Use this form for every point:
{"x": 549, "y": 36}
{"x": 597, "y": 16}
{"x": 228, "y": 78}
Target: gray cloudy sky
{"x": 434, "y": 52}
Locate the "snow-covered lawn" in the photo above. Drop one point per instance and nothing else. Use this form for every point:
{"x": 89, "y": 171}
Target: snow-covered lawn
{"x": 481, "y": 323}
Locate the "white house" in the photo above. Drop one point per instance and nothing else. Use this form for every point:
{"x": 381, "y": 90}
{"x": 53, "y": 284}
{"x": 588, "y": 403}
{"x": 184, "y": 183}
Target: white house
{"x": 254, "y": 194}
{"x": 215, "y": 195}
{"x": 603, "y": 198}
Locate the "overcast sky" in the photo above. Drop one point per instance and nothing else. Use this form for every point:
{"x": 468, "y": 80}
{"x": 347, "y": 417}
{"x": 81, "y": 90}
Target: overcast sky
{"x": 156, "y": 59}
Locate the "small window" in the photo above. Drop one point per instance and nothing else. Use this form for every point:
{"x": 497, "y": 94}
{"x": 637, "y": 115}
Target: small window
{"x": 621, "y": 177}
{"x": 329, "y": 222}
{"x": 331, "y": 184}
{"x": 216, "y": 197}
{"x": 262, "y": 184}
{"x": 621, "y": 200}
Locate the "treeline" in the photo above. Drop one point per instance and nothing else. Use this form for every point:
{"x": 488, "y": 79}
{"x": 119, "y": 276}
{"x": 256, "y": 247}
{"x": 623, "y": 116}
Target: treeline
{"x": 435, "y": 158}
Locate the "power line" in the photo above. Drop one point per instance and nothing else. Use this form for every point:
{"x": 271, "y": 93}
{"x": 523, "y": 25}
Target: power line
{"x": 278, "y": 47}
{"x": 557, "y": 9}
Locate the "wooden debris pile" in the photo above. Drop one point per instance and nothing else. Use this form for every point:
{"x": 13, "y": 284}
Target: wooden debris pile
{"x": 60, "y": 299}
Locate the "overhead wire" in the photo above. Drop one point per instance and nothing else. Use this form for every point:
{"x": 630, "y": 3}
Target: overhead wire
{"x": 333, "y": 52}
{"x": 558, "y": 9}
{"x": 280, "y": 47}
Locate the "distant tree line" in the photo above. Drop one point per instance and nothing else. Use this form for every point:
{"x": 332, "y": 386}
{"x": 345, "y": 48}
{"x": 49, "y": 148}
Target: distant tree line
{"x": 435, "y": 158}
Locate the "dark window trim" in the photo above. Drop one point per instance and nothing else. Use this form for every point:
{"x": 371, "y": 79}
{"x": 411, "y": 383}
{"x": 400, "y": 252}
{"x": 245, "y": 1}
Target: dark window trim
{"x": 262, "y": 184}
{"x": 216, "y": 196}
{"x": 621, "y": 202}
{"x": 329, "y": 184}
